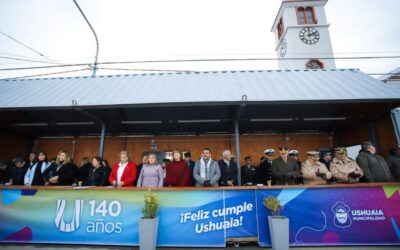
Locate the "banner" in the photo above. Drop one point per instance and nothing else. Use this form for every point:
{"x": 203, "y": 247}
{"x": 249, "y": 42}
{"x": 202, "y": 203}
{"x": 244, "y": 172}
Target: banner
{"x": 111, "y": 217}
{"x": 335, "y": 216}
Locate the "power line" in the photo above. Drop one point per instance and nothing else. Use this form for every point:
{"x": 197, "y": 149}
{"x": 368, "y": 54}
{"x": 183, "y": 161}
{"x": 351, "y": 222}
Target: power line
{"x": 46, "y": 74}
{"x": 27, "y": 60}
{"x": 26, "y": 46}
{"x": 207, "y": 60}
{"x": 158, "y": 70}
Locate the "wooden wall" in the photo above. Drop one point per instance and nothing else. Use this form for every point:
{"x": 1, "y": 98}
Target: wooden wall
{"x": 12, "y": 145}
{"x": 384, "y": 132}
{"x": 253, "y": 145}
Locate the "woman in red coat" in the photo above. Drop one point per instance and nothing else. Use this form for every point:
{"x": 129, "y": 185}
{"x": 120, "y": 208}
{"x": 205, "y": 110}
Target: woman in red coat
{"x": 123, "y": 173}
{"x": 178, "y": 172}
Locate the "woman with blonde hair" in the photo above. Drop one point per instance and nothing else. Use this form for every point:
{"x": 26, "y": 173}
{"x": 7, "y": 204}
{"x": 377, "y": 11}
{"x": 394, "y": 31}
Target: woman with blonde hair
{"x": 151, "y": 174}
{"x": 178, "y": 172}
{"x": 123, "y": 173}
{"x": 61, "y": 172}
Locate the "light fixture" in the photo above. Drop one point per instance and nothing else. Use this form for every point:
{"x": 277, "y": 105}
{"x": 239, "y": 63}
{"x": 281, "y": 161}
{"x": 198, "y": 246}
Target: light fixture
{"x": 325, "y": 119}
{"x": 198, "y": 121}
{"x": 141, "y": 122}
{"x": 30, "y": 124}
{"x": 272, "y": 120}
{"x": 73, "y": 123}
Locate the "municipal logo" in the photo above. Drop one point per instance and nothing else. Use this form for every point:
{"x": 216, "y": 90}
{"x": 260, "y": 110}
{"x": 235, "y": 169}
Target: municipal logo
{"x": 76, "y": 217}
{"x": 341, "y": 217}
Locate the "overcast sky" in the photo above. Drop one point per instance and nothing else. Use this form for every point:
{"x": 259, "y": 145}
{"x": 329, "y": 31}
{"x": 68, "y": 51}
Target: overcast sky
{"x": 184, "y": 29}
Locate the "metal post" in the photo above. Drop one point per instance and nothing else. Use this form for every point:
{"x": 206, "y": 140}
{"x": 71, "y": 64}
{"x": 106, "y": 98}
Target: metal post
{"x": 102, "y": 136}
{"x": 395, "y": 114}
{"x": 372, "y": 134}
{"x": 238, "y": 151}
{"x": 95, "y": 36}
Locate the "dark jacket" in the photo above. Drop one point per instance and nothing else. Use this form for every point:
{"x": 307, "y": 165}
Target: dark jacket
{"x": 263, "y": 172}
{"x": 393, "y": 162}
{"x": 248, "y": 175}
{"x": 17, "y": 175}
{"x": 66, "y": 173}
{"x": 83, "y": 171}
{"x": 285, "y": 173}
{"x": 228, "y": 173}
{"x": 97, "y": 177}
{"x": 374, "y": 167}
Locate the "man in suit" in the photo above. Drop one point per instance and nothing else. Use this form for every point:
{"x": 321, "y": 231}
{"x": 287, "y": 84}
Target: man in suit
{"x": 206, "y": 171}
{"x": 228, "y": 168}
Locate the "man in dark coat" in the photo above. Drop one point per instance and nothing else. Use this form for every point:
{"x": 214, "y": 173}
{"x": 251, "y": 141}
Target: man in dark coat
{"x": 229, "y": 171}
{"x": 188, "y": 158}
{"x": 393, "y": 162}
{"x": 374, "y": 166}
{"x": 284, "y": 169}
{"x": 263, "y": 172}
{"x": 248, "y": 172}
{"x": 18, "y": 171}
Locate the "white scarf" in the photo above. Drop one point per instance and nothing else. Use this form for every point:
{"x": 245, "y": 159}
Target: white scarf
{"x": 204, "y": 169}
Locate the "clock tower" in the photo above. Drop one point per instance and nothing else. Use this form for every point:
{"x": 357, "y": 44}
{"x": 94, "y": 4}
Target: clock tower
{"x": 302, "y": 35}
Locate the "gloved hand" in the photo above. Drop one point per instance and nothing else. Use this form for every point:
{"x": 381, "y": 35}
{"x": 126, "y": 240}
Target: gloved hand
{"x": 354, "y": 175}
{"x": 319, "y": 174}
{"x": 206, "y": 183}
{"x": 290, "y": 175}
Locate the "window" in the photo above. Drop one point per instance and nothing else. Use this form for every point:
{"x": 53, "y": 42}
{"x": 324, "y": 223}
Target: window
{"x": 305, "y": 15}
{"x": 281, "y": 28}
{"x": 314, "y": 64}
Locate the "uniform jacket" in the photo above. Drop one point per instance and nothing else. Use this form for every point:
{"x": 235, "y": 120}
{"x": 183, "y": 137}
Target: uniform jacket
{"x": 228, "y": 173}
{"x": 213, "y": 174}
{"x": 374, "y": 167}
{"x": 128, "y": 176}
{"x": 284, "y": 173}
{"x": 248, "y": 175}
{"x": 393, "y": 162}
{"x": 309, "y": 171}
{"x": 340, "y": 170}
{"x": 263, "y": 172}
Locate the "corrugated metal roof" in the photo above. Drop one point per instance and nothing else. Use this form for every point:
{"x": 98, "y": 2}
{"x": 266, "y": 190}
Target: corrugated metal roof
{"x": 195, "y": 88}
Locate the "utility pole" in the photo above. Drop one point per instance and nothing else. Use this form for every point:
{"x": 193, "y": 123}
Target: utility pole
{"x": 95, "y": 36}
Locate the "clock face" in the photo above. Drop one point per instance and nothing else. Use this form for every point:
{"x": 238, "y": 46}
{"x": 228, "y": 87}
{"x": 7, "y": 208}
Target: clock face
{"x": 283, "y": 48}
{"x": 309, "y": 35}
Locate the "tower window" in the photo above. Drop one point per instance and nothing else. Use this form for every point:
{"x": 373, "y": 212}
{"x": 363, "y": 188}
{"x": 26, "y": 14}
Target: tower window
{"x": 281, "y": 28}
{"x": 305, "y": 15}
{"x": 314, "y": 64}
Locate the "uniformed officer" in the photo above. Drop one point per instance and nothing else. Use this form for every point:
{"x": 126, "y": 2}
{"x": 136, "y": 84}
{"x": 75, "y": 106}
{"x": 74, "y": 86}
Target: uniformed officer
{"x": 343, "y": 168}
{"x": 313, "y": 171}
{"x": 284, "y": 169}
{"x": 248, "y": 172}
{"x": 263, "y": 172}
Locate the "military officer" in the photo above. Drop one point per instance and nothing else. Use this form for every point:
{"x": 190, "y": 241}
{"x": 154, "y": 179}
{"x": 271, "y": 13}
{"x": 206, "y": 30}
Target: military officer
{"x": 284, "y": 169}
{"x": 313, "y": 171}
{"x": 263, "y": 172}
{"x": 343, "y": 168}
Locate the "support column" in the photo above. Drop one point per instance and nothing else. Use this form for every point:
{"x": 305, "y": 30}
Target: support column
{"x": 102, "y": 136}
{"x": 237, "y": 142}
{"x": 395, "y": 114}
{"x": 372, "y": 134}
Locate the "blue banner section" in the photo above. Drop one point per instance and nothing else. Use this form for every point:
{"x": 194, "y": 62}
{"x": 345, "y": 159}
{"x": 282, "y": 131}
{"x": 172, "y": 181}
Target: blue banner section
{"x": 202, "y": 218}
{"x": 240, "y": 211}
{"x": 335, "y": 216}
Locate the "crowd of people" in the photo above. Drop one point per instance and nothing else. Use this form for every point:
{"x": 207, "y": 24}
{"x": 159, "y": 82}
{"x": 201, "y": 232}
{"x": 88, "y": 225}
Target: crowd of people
{"x": 333, "y": 166}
